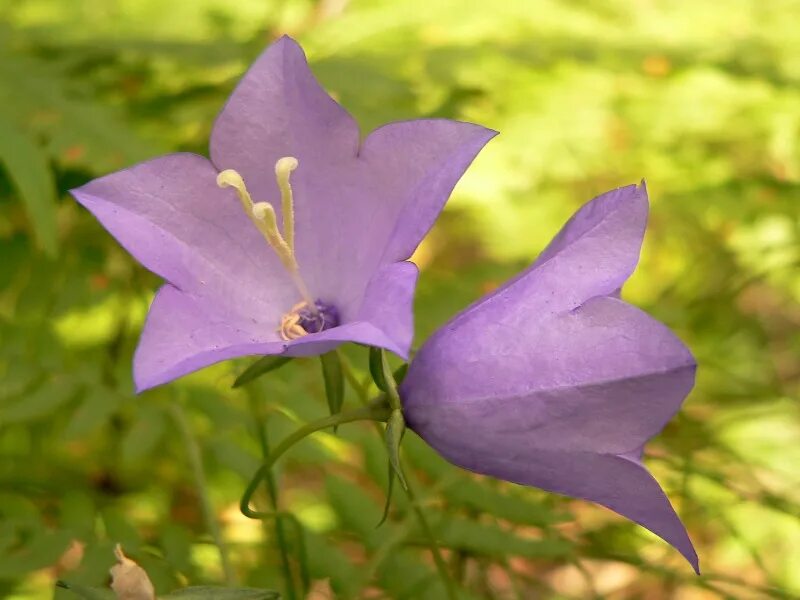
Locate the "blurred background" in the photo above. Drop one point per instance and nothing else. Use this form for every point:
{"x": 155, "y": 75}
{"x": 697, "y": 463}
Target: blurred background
{"x": 701, "y": 98}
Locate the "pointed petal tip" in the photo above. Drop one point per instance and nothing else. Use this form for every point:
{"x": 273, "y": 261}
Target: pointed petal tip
{"x": 142, "y": 381}
{"x": 287, "y": 40}
{"x": 695, "y": 562}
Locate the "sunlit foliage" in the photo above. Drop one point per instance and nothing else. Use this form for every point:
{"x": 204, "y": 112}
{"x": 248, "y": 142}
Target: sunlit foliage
{"x": 700, "y": 98}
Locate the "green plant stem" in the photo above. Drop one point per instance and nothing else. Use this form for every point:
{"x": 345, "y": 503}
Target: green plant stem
{"x": 272, "y": 491}
{"x": 377, "y": 410}
{"x": 441, "y": 566}
{"x": 209, "y": 514}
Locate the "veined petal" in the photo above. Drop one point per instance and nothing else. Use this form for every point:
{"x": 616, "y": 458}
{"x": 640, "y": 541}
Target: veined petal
{"x": 377, "y": 211}
{"x": 619, "y": 483}
{"x": 356, "y": 208}
{"x": 554, "y": 381}
{"x": 389, "y": 304}
{"x": 279, "y": 109}
{"x": 605, "y": 378}
{"x": 172, "y": 217}
{"x": 593, "y": 255}
{"x": 419, "y": 163}
{"x": 184, "y": 333}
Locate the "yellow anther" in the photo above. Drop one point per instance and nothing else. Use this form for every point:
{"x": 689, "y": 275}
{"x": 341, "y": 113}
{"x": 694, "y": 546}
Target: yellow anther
{"x": 283, "y": 171}
{"x": 262, "y": 214}
{"x": 230, "y": 178}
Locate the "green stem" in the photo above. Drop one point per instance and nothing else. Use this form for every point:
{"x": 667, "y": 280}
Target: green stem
{"x": 441, "y": 566}
{"x": 395, "y": 404}
{"x": 375, "y": 411}
{"x": 196, "y": 465}
{"x": 272, "y": 491}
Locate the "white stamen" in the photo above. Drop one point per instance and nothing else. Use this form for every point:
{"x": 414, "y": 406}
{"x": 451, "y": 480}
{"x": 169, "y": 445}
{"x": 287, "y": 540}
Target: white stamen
{"x": 262, "y": 214}
{"x": 283, "y": 170}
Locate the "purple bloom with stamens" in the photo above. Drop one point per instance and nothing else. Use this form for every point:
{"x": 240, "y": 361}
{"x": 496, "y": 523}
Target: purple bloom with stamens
{"x": 553, "y": 381}
{"x": 352, "y": 214}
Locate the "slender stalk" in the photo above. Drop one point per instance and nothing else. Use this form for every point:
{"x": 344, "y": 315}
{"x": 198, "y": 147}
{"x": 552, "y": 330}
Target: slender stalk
{"x": 441, "y": 566}
{"x": 375, "y": 411}
{"x": 272, "y": 492}
{"x": 196, "y": 465}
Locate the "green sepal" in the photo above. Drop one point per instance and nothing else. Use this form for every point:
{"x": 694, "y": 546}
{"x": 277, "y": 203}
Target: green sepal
{"x": 376, "y": 358}
{"x": 387, "y": 504}
{"x": 334, "y": 381}
{"x": 376, "y": 368}
{"x": 395, "y": 428}
{"x": 400, "y": 373}
{"x": 262, "y": 366}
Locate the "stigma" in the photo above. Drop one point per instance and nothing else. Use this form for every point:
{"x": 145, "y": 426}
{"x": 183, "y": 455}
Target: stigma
{"x": 302, "y": 320}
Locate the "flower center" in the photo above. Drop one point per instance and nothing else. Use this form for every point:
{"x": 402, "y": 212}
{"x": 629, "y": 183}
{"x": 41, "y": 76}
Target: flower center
{"x": 309, "y": 316}
{"x": 301, "y": 320}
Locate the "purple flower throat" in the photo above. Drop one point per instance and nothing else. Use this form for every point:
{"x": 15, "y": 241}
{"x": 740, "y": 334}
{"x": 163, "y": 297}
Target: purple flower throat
{"x": 325, "y": 317}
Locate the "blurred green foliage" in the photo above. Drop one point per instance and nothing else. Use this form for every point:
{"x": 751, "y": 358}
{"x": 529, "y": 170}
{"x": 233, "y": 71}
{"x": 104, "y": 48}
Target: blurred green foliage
{"x": 701, "y": 98}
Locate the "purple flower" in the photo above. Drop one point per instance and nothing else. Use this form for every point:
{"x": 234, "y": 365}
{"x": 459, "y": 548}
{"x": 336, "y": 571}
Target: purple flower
{"x": 282, "y": 151}
{"x": 553, "y": 381}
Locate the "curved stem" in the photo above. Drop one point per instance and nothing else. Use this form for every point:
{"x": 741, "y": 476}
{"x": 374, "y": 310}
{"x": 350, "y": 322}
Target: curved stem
{"x": 375, "y": 411}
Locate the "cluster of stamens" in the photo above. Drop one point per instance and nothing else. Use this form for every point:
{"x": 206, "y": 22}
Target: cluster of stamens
{"x": 301, "y": 320}
{"x": 306, "y": 317}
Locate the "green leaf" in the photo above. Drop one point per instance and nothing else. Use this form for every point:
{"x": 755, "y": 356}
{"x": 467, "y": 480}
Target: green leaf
{"x": 491, "y": 540}
{"x": 93, "y": 411}
{"x": 77, "y": 514}
{"x": 327, "y": 560}
{"x": 39, "y": 404}
{"x": 356, "y": 509}
{"x": 39, "y": 550}
{"x": 144, "y": 436}
{"x": 478, "y": 495}
{"x": 376, "y": 368}
{"x": 86, "y": 592}
{"x": 190, "y": 593}
{"x": 176, "y": 541}
{"x": 400, "y": 373}
{"x": 334, "y": 381}
{"x": 29, "y": 169}
{"x": 207, "y": 592}
{"x": 262, "y": 366}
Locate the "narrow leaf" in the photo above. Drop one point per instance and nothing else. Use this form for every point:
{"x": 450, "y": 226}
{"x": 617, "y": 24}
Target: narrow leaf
{"x": 207, "y": 592}
{"x": 262, "y": 366}
{"x": 88, "y": 593}
{"x": 27, "y": 167}
{"x": 376, "y": 368}
{"x": 400, "y": 373}
{"x": 334, "y": 381}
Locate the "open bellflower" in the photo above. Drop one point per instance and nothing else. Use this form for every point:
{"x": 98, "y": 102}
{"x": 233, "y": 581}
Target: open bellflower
{"x": 293, "y": 237}
{"x": 553, "y": 381}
